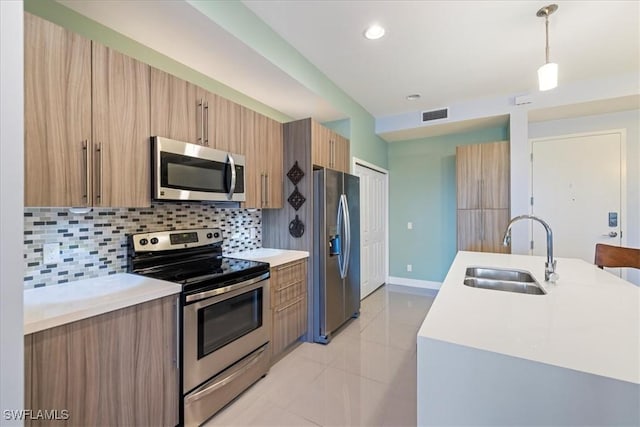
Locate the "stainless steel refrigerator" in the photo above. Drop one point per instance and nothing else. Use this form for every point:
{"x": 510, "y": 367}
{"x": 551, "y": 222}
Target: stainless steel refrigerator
{"x": 336, "y": 251}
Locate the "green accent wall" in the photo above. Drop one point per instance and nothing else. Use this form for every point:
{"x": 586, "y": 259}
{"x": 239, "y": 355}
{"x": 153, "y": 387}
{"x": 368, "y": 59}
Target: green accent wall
{"x": 422, "y": 190}
{"x": 242, "y": 23}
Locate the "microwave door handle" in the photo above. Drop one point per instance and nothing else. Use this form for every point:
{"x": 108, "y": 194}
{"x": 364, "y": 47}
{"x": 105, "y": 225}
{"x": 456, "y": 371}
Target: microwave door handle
{"x": 232, "y": 187}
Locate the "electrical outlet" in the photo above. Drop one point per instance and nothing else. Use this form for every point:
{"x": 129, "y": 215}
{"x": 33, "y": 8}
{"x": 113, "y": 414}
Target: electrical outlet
{"x": 409, "y": 226}
{"x": 253, "y": 232}
{"x": 409, "y": 267}
{"x": 51, "y": 253}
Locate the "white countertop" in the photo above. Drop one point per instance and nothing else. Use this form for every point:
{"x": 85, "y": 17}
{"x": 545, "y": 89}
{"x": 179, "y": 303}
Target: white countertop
{"x": 57, "y": 305}
{"x": 588, "y": 321}
{"x": 274, "y": 257}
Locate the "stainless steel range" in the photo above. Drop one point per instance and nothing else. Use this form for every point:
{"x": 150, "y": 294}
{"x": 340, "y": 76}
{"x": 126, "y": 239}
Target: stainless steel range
{"x": 224, "y": 315}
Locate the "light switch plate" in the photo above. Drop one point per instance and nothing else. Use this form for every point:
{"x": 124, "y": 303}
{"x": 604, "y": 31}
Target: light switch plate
{"x": 51, "y": 253}
{"x": 409, "y": 226}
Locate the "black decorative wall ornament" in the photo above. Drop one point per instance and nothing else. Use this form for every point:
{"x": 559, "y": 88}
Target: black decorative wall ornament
{"x": 296, "y": 199}
{"x": 296, "y": 227}
{"x": 295, "y": 174}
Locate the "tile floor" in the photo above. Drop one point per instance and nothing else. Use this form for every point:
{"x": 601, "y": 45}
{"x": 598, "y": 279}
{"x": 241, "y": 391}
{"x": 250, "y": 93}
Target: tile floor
{"x": 366, "y": 376}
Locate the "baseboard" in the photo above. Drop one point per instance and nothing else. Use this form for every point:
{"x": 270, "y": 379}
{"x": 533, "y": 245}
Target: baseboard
{"x": 414, "y": 283}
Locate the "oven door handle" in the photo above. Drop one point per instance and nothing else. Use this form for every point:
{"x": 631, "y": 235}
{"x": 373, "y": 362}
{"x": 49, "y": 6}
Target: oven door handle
{"x": 214, "y": 384}
{"x": 220, "y": 291}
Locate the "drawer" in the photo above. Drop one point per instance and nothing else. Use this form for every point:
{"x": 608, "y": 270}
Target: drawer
{"x": 286, "y": 274}
{"x": 288, "y": 293}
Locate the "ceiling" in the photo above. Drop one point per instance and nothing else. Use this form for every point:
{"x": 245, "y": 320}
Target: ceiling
{"x": 447, "y": 51}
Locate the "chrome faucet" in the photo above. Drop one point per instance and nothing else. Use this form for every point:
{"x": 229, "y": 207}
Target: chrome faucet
{"x": 550, "y": 274}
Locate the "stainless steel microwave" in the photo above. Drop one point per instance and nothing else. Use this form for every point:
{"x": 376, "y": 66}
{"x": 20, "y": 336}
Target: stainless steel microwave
{"x": 184, "y": 171}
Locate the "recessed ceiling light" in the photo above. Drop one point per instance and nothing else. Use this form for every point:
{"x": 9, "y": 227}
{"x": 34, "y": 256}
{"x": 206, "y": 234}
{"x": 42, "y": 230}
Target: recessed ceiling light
{"x": 374, "y": 32}
{"x": 413, "y": 96}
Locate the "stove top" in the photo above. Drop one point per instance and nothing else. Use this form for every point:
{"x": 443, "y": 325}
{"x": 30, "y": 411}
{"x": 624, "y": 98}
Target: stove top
{"x": 192, "y": 258}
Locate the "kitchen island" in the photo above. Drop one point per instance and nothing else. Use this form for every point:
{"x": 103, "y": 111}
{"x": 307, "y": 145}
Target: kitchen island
{"x": 567, "y": 357}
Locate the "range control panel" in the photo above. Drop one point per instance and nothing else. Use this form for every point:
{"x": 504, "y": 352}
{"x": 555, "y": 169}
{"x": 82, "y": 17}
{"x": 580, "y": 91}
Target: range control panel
{"x": 175, "y": 239}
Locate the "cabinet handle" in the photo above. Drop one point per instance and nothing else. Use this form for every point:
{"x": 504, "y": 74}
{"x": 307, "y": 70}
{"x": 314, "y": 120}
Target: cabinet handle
{"x": 205, "y": 128}
{"x": 297, "y": 300}
{"x": 266, "y": 189}
{"x": 263, "y": 187}
{"x": 282, "y": 288}
{"x": 331, "y": 153}
{"x": 99, "y": 173}
{"x": 200, "y": 114}
{"x": 85, "y": 149}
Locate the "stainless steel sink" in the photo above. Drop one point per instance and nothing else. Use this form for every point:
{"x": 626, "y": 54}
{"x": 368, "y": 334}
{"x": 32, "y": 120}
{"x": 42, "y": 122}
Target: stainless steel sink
{"x": 502, "y": 280}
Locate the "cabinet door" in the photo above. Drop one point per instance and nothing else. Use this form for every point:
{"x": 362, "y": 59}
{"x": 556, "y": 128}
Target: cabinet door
{"x": 176, "y": 111}
{"x": 57, "y": 114}
{"x": 470, "y": 230}
{"x": 121, "y": 129}
{"x": 274, "y": 165}
{"x": 495, "y": 175}
{"x": 494, "y": 223}
{"x": 468, "y": 175}
{"x": 341, "y": 154}
{"x": 253, "y": 174}
{"x": 113, "y": 369}
{"x": 320, "y": 145}
{"x": 223, "y": 120}
{"x": 289, "y": 323}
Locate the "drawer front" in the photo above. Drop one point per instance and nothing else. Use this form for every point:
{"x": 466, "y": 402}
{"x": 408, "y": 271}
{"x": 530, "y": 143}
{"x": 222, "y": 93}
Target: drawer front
{"x": 288, "y": 282}
{"x": 289, "y": 323}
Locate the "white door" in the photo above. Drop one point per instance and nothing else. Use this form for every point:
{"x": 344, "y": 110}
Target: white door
{"x": 577, "y": 187}
{"x": 373, "y": 222}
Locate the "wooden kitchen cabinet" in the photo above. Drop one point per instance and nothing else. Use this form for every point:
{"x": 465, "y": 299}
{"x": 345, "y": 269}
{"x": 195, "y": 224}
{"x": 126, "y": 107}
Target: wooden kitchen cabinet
{"x": 86, "y": 121}
{"x": 288, "y": 304}
{"x": 482, "y": 172}
{"x": 57, "y": 115}
{"x": 121, "y": 129}
{"x": 264, "y": 157}
{"x": 183, "y": 111}
{"x": 176, "y": 108}
{"x": 118, "y": 368}
{"x": 328, "y": 148}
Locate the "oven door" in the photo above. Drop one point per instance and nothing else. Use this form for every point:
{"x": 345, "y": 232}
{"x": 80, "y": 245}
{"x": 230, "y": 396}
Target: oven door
{"x": 184, "y": 171}
{"x": 222, "y": 326}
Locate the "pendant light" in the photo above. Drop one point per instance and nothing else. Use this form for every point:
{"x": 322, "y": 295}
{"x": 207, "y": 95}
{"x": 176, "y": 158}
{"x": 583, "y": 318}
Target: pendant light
{"x": 548, "y": 73}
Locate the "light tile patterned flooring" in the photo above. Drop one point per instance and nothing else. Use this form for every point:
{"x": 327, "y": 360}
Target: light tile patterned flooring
{"x": 366, "y": 376}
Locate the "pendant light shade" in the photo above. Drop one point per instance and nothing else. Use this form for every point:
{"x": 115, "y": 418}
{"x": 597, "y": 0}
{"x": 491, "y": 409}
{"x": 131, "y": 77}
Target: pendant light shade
{"x": 548, "y": 76}
{"x": 548, "y": 73}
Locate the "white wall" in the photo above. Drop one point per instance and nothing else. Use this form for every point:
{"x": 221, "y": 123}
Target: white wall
{"x": 11, "y": 206}
{"x": 629, "y": 120}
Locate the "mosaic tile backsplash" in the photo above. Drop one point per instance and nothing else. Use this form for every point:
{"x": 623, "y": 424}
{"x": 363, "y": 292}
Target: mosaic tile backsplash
{"x": 95, "y": 244}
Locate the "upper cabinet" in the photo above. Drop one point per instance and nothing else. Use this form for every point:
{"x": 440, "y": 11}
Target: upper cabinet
{"x": 86, "y": 121}
{"x": 264, "y": 145}
{"x": 482, "y": 172}
{"x": 183, "y": 111}
{"x": 328, "y": 148}
{"x": 121, "y": 129}
{"x": 176, "y": 110}
{"x": 57, "y": 115}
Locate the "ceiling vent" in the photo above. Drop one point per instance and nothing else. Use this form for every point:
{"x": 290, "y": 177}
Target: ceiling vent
{"x": 429, "y": 116}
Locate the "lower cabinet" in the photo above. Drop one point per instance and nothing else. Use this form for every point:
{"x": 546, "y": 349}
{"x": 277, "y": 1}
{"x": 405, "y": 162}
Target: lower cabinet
{"x": 118, "y": 368}
{"x": 288, "y": 304}
{"x": 481, "y": 230}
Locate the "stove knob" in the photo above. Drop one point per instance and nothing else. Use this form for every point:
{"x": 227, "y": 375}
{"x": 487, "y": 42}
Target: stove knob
{"x": 143, "y": 242}
{"x": 216, "y": 234}
{"x": 209, "y": 235}
{"x": 154, "y": 240}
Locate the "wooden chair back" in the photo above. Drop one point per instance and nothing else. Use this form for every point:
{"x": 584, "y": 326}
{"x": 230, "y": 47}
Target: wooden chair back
{"x": 616, "y": 256}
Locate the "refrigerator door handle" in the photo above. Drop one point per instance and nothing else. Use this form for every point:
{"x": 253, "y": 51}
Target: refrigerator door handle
{"x": 339, "y": 222}
{"x": 347, "y": 233}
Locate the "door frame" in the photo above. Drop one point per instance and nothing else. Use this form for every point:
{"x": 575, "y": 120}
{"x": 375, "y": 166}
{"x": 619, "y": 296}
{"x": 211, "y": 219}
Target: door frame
{"x": 357, "y": 161}
{"x": 623, "y": 175}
